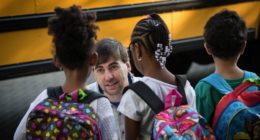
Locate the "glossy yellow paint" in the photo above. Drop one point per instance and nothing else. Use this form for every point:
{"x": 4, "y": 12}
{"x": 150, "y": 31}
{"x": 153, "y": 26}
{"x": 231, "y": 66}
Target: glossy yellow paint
{"x": 24, "y": 46}
{"x": 33, "y": 45}
{"x": 10, "y": 7}
{"x": 48, "y": 6}
{"x": 121, "y": 28}
{"x": 190, "y": 23}
{"x": 24, "y": 7}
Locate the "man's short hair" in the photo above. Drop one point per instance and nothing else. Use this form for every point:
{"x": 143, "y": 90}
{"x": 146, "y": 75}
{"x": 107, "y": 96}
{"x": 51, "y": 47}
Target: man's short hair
{"x": 225, "y": 34}
{"x": 111, "y": 48}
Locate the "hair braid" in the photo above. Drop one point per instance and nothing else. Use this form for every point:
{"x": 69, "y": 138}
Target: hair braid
{"x": 153, "y": 34}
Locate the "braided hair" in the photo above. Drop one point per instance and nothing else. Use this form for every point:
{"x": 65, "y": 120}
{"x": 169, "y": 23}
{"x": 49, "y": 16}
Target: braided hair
{"x": 74, "y": 34}
{"x": 153, "y": 34}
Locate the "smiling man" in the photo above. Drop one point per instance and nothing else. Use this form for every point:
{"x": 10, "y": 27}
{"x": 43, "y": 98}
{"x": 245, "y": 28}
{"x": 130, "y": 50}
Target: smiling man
{"x": 112, "y": 73}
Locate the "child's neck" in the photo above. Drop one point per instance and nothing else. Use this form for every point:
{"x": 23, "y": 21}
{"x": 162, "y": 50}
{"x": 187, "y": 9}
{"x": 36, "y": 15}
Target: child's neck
{"x": 228, "y": 69}
{"x": 163, "y": 75}
{"x": 74, "y": 80}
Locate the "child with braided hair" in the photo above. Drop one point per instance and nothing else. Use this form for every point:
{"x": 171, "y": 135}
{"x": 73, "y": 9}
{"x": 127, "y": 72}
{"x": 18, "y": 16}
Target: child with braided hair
{"x": 150, "y": 46}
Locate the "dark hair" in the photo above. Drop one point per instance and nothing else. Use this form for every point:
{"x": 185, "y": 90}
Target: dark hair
{"x": 225, "y": 34}
{"x": 151, "y": 31}
{"x": 110, "y": 47}
{"x": 74, "y": 34}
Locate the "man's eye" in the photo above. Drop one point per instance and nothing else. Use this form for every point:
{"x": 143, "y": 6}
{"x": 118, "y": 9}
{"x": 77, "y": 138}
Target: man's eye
{"x": 114, "y": 67}
{"x": 99, "y": 70}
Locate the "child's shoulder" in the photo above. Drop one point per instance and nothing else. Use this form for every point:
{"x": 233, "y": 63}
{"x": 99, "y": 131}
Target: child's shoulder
{"x": 155, "y": 83}
{"x": 205, "y": 85}
{"x": 249, "y": 74}
{"x": 202, "y": 84}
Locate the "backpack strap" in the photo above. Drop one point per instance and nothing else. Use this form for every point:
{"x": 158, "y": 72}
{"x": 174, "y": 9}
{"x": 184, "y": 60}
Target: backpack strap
{"x": 146, "y": 93}
{"x": 248, "y": 75}
{"x": 218, "y": 82}
{"x": 55, "y": 92}
{"x": 92, "y": 95}
{"x": 181, "y": 82}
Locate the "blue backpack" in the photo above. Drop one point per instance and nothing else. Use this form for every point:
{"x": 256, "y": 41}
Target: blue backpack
{"x": 238, "y": 109}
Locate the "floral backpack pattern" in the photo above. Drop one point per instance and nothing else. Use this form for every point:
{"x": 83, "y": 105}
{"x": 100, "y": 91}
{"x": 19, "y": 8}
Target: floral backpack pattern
{"x": 69, "y": 117}
{"x": 173, "y": 119}
{"x": 180, "y": 122}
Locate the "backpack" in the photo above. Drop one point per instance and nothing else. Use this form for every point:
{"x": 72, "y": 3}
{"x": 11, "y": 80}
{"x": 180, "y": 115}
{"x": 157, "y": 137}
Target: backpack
{"x": 237, "y": 115}
{"x": 174, "y": 119}
{"x": 64, "y": 116}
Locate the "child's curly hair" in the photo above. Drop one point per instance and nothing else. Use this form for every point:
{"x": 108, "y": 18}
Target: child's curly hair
{"x": 74, "y": 34}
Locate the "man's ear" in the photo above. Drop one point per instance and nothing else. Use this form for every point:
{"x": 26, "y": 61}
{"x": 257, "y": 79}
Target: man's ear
{"x": 93, "y": 59}
{"x": 207, "y": 49}
{"x": 128, "y": 65}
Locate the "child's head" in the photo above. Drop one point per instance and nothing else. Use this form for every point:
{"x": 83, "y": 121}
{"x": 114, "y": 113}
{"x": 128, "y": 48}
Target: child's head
{"x": 74, "y": 34}
{"x": 153, "y": 35}
{"x": 225, "y": 34}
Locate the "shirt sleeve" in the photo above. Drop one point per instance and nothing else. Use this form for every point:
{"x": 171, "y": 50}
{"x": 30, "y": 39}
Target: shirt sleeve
{"x": 107, "y": 122}
{"x": 93, "y": 87}
{"x": 190, "y": 95}
{"x": 20, "y": 133}
{"x": 204, "y": 102}
{"x": 131, "y": 105}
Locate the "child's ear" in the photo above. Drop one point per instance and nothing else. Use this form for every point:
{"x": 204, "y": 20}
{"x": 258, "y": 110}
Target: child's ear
{"x": 243, "y": 48}
{"x": 207, "y": 49}
{"x": 138, "y": 52}
{"x": 93, "y": 59}
{"x": 57, "y": 63}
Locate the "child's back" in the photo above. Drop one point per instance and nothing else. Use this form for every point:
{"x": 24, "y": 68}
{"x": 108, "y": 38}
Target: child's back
{"x": 208, "y": 96}
{"x": 150, "y": 45}
{"x": 74, "y": 34}
{"x": 101, "y": 107}
{"x": 134, "y": 107}
{"x": 225, "y": 40}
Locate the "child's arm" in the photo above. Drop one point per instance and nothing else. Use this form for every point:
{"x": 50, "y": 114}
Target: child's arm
{"x": 20, "y": 133}
{"x": 132, "y": 129}
{"x": 130, "y": 107}
{"x": 204, "y": 101}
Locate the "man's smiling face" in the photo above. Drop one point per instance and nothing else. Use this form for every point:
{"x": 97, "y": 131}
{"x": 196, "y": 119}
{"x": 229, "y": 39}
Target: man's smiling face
{"x": 112, "y": 76}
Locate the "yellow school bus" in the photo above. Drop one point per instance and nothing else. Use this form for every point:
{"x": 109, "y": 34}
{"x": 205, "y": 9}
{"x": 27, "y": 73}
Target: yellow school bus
{"x": 25, "y": 47}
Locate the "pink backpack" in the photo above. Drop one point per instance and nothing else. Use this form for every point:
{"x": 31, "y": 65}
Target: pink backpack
{"x": 180, "y": 121}
{"x": 173, "y": 119}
